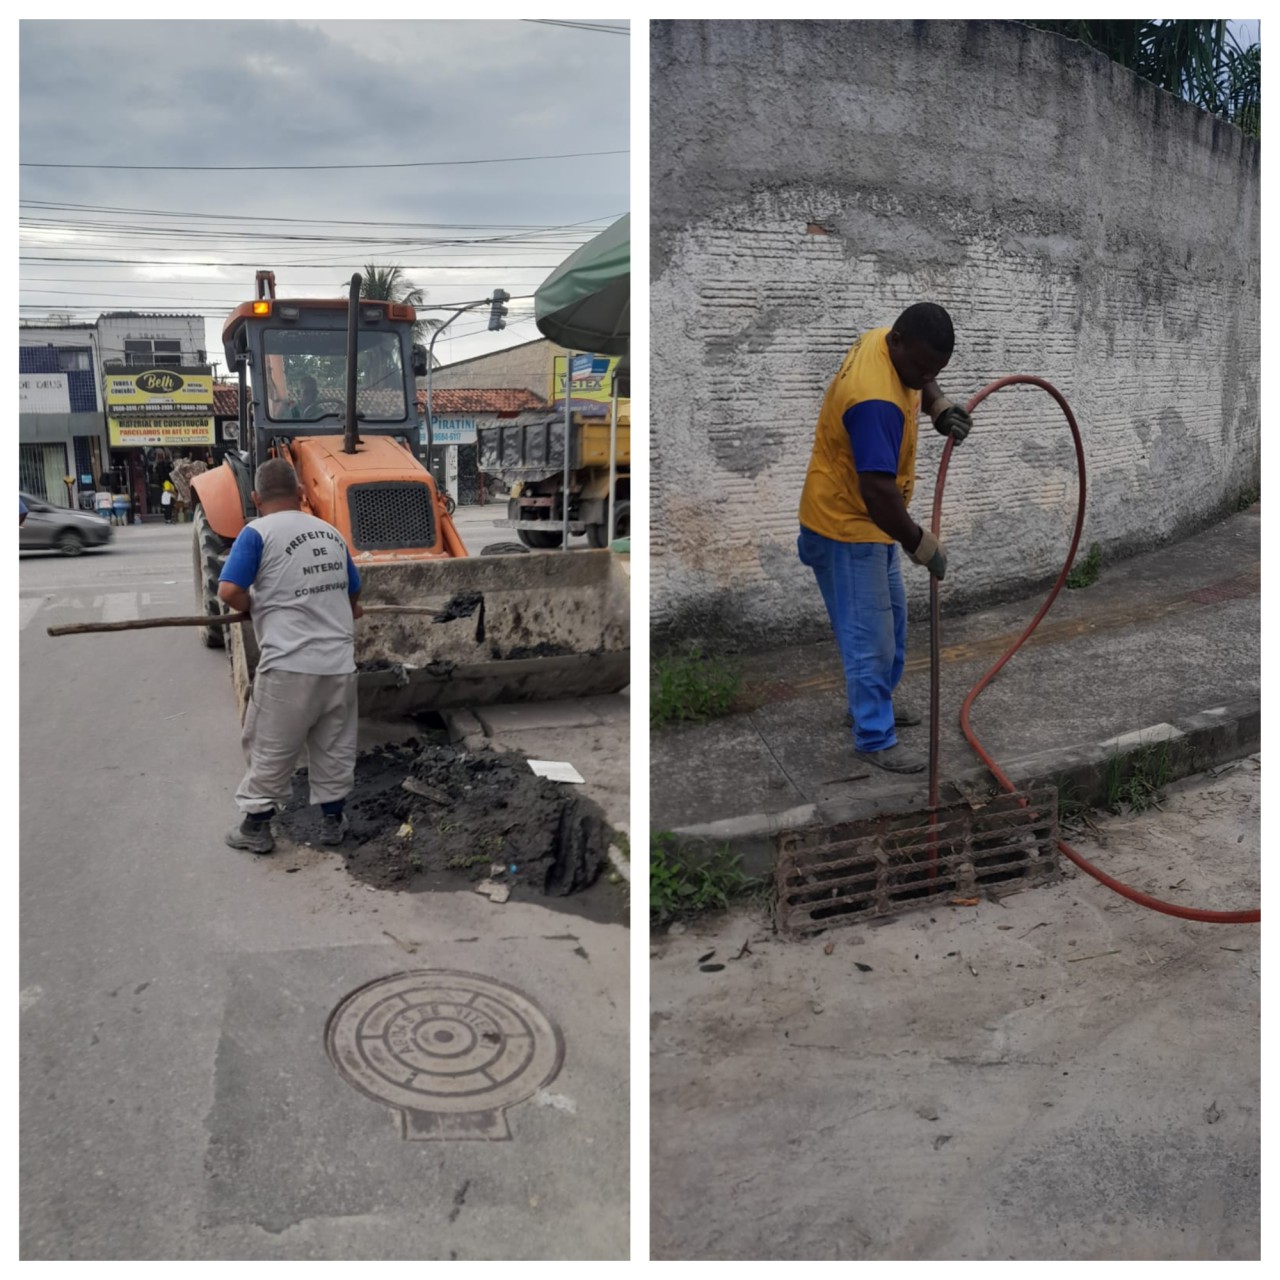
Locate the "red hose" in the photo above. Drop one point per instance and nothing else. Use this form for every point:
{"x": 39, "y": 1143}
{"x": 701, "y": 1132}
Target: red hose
{"x": 1134, "y": 895}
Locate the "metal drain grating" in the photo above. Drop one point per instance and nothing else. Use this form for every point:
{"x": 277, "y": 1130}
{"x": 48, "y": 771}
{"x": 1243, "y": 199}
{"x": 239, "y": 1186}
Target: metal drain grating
{"x": 884, "y": 866}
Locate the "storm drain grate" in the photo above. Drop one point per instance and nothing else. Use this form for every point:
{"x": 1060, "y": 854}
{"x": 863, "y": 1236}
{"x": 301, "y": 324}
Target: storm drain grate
{"x": 891, "y": 864}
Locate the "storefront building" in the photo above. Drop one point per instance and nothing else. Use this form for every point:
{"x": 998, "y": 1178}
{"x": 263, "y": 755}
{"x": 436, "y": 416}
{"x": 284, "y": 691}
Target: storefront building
{"x": 158, "y": 396}
{"x": 62, "y": 446}
{"x": 455, "y": 414}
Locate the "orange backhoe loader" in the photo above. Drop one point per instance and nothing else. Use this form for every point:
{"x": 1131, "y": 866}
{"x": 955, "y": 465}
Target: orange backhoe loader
{"x": 328, "y": 384}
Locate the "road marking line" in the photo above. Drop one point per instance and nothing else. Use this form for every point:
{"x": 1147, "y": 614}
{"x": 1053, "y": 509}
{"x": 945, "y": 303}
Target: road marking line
{"x": 120, "y": 608}
{"x": 27, "y": 609}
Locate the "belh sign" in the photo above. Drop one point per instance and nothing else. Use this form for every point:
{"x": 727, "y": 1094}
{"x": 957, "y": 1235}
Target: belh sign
{"x": 168, "y": 407}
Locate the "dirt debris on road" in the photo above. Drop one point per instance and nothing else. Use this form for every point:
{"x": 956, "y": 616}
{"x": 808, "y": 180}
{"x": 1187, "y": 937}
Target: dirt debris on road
{"x": 430, "y": 815}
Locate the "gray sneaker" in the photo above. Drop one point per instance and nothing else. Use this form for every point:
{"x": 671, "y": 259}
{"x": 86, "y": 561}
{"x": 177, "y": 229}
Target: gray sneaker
{"x": 254, "y": 836}
{"x": 333, "y": 827}
{"x": 896, "y": 759}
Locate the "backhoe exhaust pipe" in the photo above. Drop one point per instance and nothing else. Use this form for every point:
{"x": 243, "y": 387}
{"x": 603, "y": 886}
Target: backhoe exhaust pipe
{"x": 353, "y": 323}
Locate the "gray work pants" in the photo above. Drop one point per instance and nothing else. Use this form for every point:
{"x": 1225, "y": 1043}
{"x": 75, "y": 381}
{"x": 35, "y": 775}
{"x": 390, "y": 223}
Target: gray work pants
{"x": 291, "y": 712}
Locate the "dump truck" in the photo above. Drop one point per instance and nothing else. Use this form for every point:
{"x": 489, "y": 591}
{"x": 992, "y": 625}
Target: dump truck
{"x": 526, "y": 456}
{"x": 328, "y": 385}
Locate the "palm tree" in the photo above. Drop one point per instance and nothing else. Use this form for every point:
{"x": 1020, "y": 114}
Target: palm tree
{"x": 390, "y": 284}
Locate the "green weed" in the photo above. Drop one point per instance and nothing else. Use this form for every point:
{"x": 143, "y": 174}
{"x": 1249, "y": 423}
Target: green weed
{"x": 1140, "y": 785}
{"x": 684, "y": 885}
{"x": 464, "y": 862}
{"x": 1084, "y": 573}
{"x": 1247, "y": 497}
{"x": 1072, "y": 808}
{"x": 690, "y": 686}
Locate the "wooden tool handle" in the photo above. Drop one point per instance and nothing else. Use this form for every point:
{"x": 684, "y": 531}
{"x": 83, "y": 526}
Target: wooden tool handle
{"x": 223, "y": 620}
{"x": 140, "y": 624}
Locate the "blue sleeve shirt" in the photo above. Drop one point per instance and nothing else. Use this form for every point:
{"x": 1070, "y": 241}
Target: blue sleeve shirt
{"x": 875, "y": 435}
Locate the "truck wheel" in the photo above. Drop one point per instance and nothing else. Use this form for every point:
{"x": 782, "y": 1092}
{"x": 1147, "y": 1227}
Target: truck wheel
{"x": 598, "y": 534}
{"x": 210, "y": 553}
{"x": 622, "y": 520}
{"x": 540, "y": 541}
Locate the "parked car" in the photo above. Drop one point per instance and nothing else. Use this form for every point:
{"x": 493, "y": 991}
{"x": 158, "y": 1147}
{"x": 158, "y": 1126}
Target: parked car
{"x": 50, "y": 528}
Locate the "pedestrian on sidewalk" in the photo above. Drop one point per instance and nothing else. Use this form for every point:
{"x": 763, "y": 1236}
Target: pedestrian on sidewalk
{"x": 853, "y": 512}
{"x": 102, "y": 504}
{"x": 293, "y": 574}
{"x": 166, "y": 501}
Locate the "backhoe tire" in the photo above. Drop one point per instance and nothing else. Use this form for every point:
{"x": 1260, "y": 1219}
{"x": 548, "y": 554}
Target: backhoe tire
{"x": 210, "y": 554}
{"x": 539, "y": 541}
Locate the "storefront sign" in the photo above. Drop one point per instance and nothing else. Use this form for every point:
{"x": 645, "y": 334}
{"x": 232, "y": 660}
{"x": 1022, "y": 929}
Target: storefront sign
{"x": 592, "y": 378}
{"x": 451, "y": 431}
{"x": 43, "y": 393}
{"x": 159, "y": 407}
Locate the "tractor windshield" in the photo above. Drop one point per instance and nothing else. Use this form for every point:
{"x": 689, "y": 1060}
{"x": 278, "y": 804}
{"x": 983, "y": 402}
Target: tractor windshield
{"x": 306, "y": 375}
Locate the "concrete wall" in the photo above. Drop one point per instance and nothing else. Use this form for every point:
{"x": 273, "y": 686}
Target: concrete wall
{"x": 526, "y": 365}
{"x": 810, "y": 180}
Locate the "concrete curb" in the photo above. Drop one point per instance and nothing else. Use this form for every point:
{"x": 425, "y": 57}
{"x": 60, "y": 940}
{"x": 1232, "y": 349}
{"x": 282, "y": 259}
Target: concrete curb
{"x": 1199, "y": 741}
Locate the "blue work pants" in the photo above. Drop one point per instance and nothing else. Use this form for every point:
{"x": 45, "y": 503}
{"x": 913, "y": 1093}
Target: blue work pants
{"x": 861, "y": 584}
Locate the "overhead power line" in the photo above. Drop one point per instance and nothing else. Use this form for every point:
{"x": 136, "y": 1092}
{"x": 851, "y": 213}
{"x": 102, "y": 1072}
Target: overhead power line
{"x": 603, "y": 27}
{"x": 243, "y": 217}
{"x": 285, "y": 168}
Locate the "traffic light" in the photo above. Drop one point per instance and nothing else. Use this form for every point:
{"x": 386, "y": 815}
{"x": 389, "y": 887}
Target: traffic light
{"x": 498, "y": 311}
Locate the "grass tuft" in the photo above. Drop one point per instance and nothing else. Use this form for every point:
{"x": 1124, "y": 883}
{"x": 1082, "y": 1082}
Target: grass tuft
{"x": 1084, "y": 573}
{"x": 690, "y": 686}
{"x": 681, "y": 885}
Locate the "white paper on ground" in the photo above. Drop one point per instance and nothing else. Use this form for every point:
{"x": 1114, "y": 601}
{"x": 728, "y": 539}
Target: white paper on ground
{"x": 556, "y": 770}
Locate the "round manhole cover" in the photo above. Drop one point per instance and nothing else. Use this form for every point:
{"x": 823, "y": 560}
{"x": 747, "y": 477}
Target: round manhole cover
{"x": 450, "y": 1050}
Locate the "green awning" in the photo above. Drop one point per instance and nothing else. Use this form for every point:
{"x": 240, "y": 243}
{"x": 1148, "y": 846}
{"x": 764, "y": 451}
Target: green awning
{"x": 585, "y": 303}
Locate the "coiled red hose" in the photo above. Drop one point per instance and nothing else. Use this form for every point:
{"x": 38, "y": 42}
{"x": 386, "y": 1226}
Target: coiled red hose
{"x": 1253, "y": 916}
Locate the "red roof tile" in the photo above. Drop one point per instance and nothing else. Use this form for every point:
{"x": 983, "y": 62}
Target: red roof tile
{"x": 481, "y": 400}
{"x": 226, "y": 402}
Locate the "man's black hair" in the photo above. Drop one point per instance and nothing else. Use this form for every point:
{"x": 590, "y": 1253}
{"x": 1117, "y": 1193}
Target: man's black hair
{"x": 928, "y": 323}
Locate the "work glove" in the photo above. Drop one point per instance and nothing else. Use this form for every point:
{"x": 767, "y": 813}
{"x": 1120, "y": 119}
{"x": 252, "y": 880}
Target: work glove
{"x": 932, "y": 554}
{"x": 952, "y": 420}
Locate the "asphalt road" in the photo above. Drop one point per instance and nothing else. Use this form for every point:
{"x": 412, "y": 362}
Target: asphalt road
{"x": 177, "y": 1100}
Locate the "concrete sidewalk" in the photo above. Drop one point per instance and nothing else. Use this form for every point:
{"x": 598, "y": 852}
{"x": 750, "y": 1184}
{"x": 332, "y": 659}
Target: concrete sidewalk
{"x": 1164, "y": 647}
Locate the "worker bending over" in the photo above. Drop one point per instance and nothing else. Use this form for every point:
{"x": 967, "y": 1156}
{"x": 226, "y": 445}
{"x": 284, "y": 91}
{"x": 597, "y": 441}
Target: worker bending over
{"x": 293, "y": 574}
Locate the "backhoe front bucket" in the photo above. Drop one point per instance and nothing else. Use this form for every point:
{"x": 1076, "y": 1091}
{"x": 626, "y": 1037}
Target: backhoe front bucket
{"x": 483, "y": 630}
{"x": 494, "y": 629}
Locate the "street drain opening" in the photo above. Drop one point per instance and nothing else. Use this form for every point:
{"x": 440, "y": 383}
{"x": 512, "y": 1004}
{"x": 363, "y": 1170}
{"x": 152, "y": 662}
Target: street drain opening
{"x": 890, "y": 864}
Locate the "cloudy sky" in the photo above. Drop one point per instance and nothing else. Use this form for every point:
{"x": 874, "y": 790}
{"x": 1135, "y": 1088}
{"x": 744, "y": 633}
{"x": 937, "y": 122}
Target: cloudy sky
{"x": 113, "y": 100}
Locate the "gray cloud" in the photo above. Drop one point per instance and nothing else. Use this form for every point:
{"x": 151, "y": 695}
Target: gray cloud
{"x": 296, "y": 93}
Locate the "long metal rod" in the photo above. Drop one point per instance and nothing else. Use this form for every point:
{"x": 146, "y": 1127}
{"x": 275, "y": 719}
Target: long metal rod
{"x": 613, "y": 459}
{"x": 568, "y": 397}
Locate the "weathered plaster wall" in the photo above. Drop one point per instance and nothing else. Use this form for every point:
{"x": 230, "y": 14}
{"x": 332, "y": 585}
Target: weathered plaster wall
{"x": 810, "y": 180}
